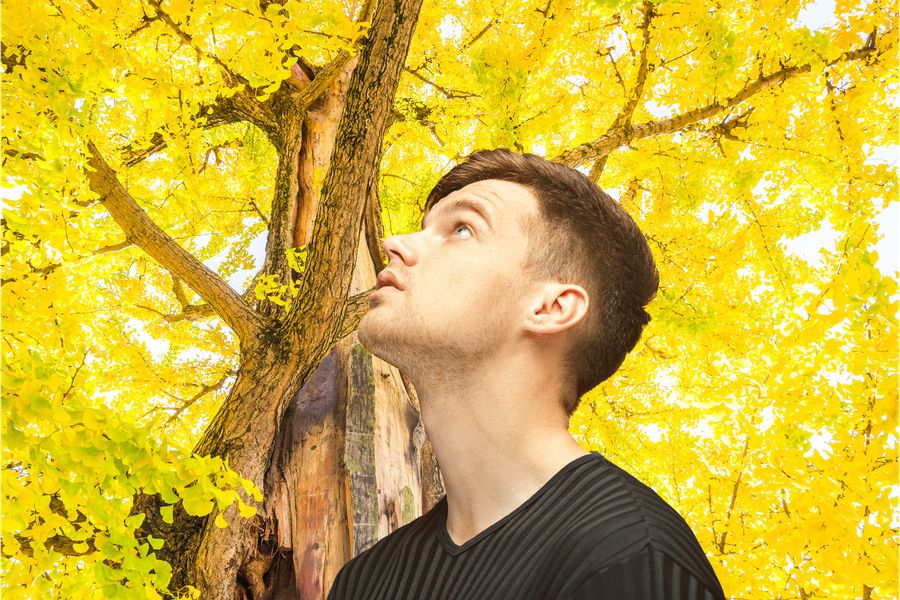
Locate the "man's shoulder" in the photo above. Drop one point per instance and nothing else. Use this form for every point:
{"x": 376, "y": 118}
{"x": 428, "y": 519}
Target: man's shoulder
{"x": 619, "y": 517}
{"x": 617, "y": 501}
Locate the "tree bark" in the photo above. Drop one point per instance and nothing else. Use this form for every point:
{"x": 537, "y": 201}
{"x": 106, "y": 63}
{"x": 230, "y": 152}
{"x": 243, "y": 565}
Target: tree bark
{"x": 330, "y": 433}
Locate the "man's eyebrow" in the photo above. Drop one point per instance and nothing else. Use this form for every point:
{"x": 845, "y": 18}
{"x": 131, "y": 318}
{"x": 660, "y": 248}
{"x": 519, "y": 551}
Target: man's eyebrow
{"x": 441, "y": 208}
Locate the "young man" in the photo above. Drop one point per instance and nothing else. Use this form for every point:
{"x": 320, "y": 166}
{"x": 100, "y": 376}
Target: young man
{"x": 523, "y": 290}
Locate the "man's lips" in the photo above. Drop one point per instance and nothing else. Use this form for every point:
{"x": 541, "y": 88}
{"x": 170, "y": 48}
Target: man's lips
{"x": 387, "y": 278}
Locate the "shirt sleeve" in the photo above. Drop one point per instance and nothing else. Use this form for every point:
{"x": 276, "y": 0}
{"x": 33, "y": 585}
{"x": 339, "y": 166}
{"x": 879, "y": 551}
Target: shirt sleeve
{"x": 649, "y": 574}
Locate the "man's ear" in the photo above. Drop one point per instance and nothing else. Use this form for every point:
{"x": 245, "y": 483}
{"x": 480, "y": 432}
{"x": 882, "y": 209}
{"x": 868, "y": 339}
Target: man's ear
{"x": 557, "y": 307}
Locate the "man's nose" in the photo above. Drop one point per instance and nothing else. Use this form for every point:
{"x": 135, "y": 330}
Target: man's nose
{"x": 396, "y": 247}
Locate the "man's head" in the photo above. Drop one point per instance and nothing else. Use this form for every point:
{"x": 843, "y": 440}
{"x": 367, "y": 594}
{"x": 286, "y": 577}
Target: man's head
{"x": 561, "y": 265}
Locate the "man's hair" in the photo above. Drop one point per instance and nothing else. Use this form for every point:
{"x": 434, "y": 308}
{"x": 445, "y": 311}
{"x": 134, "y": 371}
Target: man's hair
{"x": 582, "y": 236}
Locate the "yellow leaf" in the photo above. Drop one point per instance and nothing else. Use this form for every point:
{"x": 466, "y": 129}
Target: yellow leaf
{"x": 220, "y": 521}
{"x": 246, "y": 511}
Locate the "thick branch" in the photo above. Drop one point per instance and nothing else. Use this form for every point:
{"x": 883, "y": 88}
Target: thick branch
{"x": 142, "y": 231}
{"x": 323, "y": 79}
{"x": 351, "y": 174}
{"x": 312, "y": 83}
{"x": 621, "y": 136}
{"x": 357, "y": 307}
{"x": 309, "y": 106}
{"x": 240, "y": 107}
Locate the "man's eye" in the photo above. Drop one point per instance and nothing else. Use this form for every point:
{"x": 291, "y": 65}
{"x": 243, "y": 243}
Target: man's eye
{"x": 460, "y": 224}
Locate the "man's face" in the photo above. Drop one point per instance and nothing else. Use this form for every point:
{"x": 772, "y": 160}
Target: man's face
{"x": 462, "y": 298}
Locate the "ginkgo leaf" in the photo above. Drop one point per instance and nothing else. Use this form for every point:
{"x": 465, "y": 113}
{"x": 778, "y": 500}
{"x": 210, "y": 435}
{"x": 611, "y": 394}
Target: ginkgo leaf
{"x": 166, "y": 512}
{"x": 752, "y": 143}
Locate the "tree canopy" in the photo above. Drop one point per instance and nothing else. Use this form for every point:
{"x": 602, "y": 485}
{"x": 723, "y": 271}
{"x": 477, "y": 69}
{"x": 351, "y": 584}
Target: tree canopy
{"x": 761, "y": 401}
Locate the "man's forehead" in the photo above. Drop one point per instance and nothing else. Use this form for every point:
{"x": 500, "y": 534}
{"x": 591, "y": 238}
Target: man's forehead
{"x": 498, "y": 198}
{"x": 497, "y": 191}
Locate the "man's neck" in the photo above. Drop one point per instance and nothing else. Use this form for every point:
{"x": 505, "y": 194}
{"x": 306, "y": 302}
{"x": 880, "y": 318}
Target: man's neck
{"x": 496, "y": 445}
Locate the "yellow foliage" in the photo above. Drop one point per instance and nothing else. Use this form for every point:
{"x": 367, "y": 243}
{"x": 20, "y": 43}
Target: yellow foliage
{"x": 769, "y": 378}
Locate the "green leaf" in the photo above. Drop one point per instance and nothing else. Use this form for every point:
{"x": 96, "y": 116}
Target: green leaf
{"x": 168, "y": 494}
{"x": 197, "y": 506}
{"x": 156, "y": 543}
{"x": 135, "y": 521}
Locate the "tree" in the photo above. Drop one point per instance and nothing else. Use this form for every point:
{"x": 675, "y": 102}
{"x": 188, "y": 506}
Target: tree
{"x": 133, "y": 130}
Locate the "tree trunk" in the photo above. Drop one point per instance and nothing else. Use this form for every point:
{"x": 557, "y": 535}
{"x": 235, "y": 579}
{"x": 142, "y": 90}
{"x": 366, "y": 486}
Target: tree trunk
{"x": 330, "y": 433}
{"x": 350, "y": 466}
{"x": 350, "y": 463}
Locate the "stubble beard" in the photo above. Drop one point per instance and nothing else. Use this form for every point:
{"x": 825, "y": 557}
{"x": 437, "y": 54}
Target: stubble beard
{"x": 419, "y": 347}
{"x": 407, "y": 341}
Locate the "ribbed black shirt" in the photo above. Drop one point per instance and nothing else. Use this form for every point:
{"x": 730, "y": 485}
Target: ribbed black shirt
{"x": 592, "y": 531}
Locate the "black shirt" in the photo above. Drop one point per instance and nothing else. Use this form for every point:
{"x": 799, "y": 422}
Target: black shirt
{"x": 592, "y": 531}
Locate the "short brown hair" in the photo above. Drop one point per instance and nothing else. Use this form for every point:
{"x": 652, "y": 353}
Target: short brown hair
{"x": 581, "y": 236}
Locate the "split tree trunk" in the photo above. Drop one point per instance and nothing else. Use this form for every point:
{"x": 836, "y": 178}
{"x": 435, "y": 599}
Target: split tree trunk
{"x": 330, "y": 433}
{"x": 351, "y": 465}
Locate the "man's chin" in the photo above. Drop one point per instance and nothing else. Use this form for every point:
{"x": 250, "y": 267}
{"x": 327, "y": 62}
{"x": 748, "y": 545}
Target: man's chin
{"x": 373, "y": 337}
{"x": 388, "y": 339}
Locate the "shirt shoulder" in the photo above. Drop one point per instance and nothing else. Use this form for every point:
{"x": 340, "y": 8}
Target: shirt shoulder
{"x": 648, "y": 574}
{"x": 617, "y": 524}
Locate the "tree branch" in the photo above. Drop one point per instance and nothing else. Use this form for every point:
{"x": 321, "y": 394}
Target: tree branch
{"x": 357, "y": 307}
{"x": 323, "y": 79}
{"x": 449, "y": 94}
{"x": 204, "y": 390}
{"x": 142, "y": 231}
{"x": 351, "y": 174}
{"x": 621, "y": 136}
{"x": 240, "y": 107}
{"x": 479, "y": 34}
{"x": 311, "y": 82}
{"x": 623, "y": 119}
{"x": 198, "y": 312}
{"x": 189, "y": 40}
